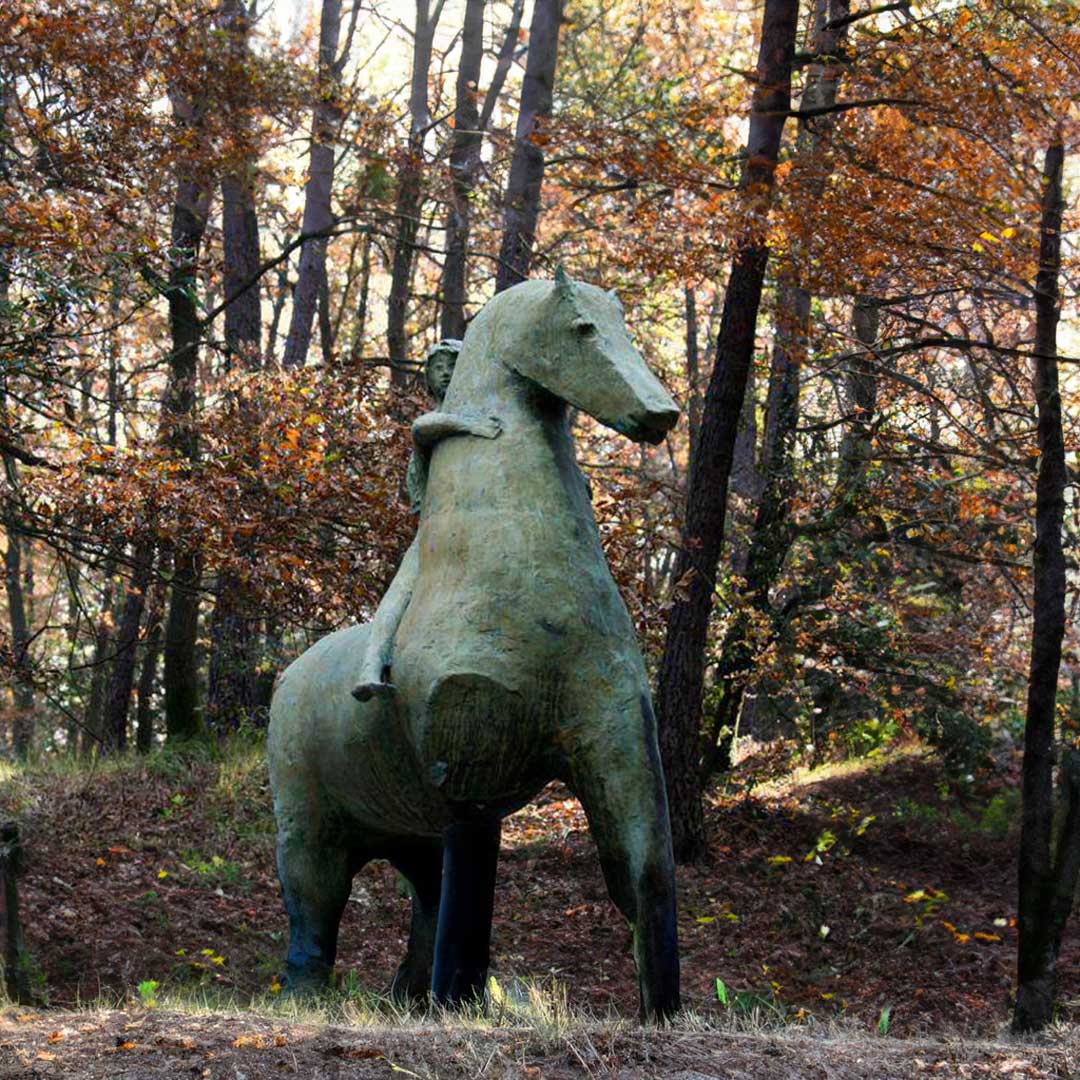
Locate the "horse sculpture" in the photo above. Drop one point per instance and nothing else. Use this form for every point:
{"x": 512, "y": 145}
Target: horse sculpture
{"x": 514, "y": 663}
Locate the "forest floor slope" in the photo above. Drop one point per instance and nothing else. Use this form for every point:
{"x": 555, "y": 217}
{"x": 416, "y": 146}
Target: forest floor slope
{"x": 872, "y": 894}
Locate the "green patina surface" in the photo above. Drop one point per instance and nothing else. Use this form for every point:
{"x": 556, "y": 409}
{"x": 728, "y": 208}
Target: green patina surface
{"x": 511, "y": 657}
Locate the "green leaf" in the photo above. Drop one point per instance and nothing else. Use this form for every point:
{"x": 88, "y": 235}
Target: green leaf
{"x": 883, "y": 1020}
{"x": 721, "y": 992}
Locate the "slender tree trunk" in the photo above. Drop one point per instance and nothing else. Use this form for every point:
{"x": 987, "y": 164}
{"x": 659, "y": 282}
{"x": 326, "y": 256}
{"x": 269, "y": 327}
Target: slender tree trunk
{"x": 240, "y": 243}
{"x": 318, "y": 214}
{"x": 230, "y": 690}
{"x": 144, "y": 713}
{"x": 22, "y": 725}
{"x": 693, "y": 371}
{"x": 522, "y": 200}
{"x": 682, "y": 667}
{"x": 464, "y": 169}
{"x": 356, "y": 350}
{"x": 93, "y": 733}
{"x": 269, "y": 667}
{"x": 122, "y": 677}
{"x": 1047, "y": 883}
{"x": 771, "y": 536}
{"x": 860, "y": 387}
{"x": 190, "y": 209}
{"x": 470, "y": 124}
{"x": 410, "y": 193}
{"x": 277, "y": 306}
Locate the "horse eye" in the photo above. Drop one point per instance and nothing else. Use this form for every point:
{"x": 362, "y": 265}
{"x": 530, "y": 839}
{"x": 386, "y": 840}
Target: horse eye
{"x": 585, "y": 328}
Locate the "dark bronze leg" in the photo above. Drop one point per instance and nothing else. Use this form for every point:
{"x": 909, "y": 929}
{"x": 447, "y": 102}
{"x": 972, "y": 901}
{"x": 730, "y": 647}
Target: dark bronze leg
{"x": 463, "y": 938}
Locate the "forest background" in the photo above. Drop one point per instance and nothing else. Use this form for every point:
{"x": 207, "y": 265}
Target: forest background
{"x": 229, "y": 233}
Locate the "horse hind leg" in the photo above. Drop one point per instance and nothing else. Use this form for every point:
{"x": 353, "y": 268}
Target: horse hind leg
{"x": 420, "y": 863}
{"x": 467, "y": 896}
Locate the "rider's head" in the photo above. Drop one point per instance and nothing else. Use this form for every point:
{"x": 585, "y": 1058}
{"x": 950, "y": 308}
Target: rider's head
{"x": 439, "y": 366}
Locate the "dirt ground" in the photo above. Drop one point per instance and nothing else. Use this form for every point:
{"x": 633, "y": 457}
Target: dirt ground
{"x": 845, "y": 895}
{"x": 145, "y": 1044}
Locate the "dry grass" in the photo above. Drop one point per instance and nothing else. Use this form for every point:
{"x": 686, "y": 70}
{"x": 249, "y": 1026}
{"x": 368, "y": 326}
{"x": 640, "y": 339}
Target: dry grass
{"x": 530, "y": 1034}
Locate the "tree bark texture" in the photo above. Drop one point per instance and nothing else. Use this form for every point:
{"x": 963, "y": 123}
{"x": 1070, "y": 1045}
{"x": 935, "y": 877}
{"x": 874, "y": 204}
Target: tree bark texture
{"x": 410, "y": 194}
{"x": 93, "y": 732}
{"x": 464, "y": 170}
{"x": 22, "y": 731}
{"x": 22, "y": 726}
{"x": 1040, "y": 878}
{"x": 693, "y": 370}
{"x": 522, "y": 202}
{"x": 144, "y": 713}
{"x": 16, "y": 958}
{"x": 190, "y": 210}
{"x": 125, "y": 654}
{"x": 230, "y": 689}
{"x": 470, "y": 125}
{"x": 770, "y": 537}
{"x": 318, "y": 215}
{"x": 682, "y": 666}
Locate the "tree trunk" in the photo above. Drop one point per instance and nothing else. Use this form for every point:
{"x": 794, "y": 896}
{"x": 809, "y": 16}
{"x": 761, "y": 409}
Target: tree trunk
{"x": 410, "y": 192}
{"x": 470, "y": 124}
{"x": 93, "y": 733}
{"x": 240, "y": 241}
{"x": 230, "y": 695}
{"x": 1046, "y": 884}
{"x": 318, "y": 215}
{"x": 144, "y": 713}
{"x": 190, "y": 210}
{"x": 17, "y": 968}
{"x": 356, "y": 350}
{"x": 122, "y": 676}
{"x": 464, "y": 169}
{"x": 682, "y": 666}
{"x": 860, "y": 387}
{"x": 693, "y": 371}
{"x": 522, "y": 201}
{"x": 22, "y": 725}
{"x": 771, "y": 536}
{"x": 230, "y": 689}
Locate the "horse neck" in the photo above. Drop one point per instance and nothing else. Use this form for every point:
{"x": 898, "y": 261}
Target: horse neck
{"x": 536, "y": 435}
{"x": 484, "y": 384}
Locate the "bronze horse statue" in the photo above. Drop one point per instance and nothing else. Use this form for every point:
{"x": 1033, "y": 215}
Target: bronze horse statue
{"x": 514, "y": 662}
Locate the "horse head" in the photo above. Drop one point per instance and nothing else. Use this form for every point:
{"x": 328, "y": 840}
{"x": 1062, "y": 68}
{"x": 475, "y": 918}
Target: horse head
{"x": 579, "y": 351}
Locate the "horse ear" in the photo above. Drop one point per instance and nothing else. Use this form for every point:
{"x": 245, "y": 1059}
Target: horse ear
{"x": 563, "y": 285}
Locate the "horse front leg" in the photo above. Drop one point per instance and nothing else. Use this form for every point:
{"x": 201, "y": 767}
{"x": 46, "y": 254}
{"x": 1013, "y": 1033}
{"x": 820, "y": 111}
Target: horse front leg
{"x": 466, "y": 902}
{"x": 614, "y": 769}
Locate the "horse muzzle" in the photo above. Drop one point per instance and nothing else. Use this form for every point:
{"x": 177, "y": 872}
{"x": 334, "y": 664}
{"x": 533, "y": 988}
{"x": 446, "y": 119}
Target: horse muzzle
{"x": 653, "y": 425}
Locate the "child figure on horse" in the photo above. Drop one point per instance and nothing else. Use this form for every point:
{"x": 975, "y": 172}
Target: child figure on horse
{"x": 375, "y": 673}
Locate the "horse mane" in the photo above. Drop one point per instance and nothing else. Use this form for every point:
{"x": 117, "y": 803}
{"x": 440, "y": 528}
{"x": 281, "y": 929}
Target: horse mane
{"x": 522, "y": 299}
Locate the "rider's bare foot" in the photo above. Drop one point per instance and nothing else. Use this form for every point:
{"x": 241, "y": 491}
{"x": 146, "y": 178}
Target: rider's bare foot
{"x": 365, "y": 691}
